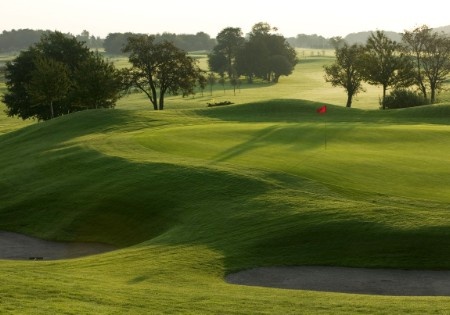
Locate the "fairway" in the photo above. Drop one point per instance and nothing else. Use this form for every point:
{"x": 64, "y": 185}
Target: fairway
{"x": 191, "y": 194}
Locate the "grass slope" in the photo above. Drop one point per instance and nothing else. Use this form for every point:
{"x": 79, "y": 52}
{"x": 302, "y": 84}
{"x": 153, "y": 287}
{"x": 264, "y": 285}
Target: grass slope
{"x": 191, "y": 195}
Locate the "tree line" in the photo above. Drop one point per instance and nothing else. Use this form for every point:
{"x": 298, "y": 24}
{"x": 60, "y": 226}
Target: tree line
{"x": 262, "y": 54}
{"x": 17, "y": 40}
{"x": 114, "y": 43}
{"x": 415, "y": 69}
{"x": 60, "y": 75}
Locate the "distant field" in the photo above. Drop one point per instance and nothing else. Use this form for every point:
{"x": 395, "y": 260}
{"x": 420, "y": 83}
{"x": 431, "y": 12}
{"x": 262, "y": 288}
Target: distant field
{"x": 307, "y": 82}
{"x": 192, "y": 193}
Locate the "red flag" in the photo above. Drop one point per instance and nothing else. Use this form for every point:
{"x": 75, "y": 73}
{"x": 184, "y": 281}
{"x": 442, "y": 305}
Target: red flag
{"x": 322, "y": 110}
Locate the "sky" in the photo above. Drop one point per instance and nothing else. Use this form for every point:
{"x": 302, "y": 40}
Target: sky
{"x": 327, "y": 18}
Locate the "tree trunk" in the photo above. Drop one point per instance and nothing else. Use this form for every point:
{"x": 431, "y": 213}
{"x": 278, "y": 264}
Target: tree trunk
{"x": 161, "y": 100}
{"x": 154, "y": 96}
{"x": 51, "y": 109}
{"x": 276, "y": 77}
{"x": 433, "y": 95}
{"x": 384, "y": 97}
{"x": 349, "y": 99}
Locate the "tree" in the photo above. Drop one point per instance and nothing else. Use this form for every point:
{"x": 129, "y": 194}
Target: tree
{"x": 115, "y": 42}
{"x": 431, "y": 52}
{"x": 385, "y": 64}
{"x": 49, "y": 83}
{"x": 211, "y": 80}
{"x": 39, "y": 76}
{"x": 346, "y": 70}
{"x": 98, "y": 84}
{"x": 217, "y": 62}
{"x": 415, "y": 42}
{"x": 17, "y": 40}
{"x": 160, "y": 68}
{"x": 229, "y": 42}
{"x": 337, "y": 42}
{"x": 266, "y": 55}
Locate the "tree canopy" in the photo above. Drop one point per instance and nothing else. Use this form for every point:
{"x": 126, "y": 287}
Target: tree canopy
{"x": 346, "y": 71}
{"x": 263, "y": 54}
{"x": 422, "y": 60}
{"x": 49, "y": 79}
{"x": 115, "y": 42}
{"x": 431, "y": 53}
{"x": 385, "y": 64}
{"x": 223, "y": 57}
{"x": 160, "y": 68}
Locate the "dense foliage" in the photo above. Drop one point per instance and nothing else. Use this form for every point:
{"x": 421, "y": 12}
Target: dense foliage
{"x": 310, "y": 41}
{"x": 160, "y": 68}
{"x": 421, "y": 60}
{"x": 401, "y": 98}
{"x": 345, "y": 71}
{"x": 57, "y": 76}
{"x": 17, "y": 40}
{"x": 431, "y": 52}
{"x": 262, "y": 55}
{"x": 115, "y": 42}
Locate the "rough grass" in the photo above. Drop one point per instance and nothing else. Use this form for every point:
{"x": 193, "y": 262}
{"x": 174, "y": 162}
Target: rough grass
{"x": 192, "y": 194}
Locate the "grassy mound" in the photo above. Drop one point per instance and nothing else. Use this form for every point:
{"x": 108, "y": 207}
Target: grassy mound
{"x": 191, "y": 195}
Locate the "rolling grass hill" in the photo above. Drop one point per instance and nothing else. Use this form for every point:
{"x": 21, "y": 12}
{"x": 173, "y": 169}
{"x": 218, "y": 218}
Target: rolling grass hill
{"x": 193, "y": 193}
{"x": 190, "y": 195}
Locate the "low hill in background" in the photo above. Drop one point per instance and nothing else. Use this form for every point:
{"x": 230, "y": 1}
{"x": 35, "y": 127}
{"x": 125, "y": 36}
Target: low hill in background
{"x": 16, "y": 40}
{"x": 445, "y": 29}
{"x": 361, "y": 37}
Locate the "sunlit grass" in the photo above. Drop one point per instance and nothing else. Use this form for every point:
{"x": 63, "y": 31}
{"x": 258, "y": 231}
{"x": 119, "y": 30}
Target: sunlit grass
{"x": 192, "y": 193}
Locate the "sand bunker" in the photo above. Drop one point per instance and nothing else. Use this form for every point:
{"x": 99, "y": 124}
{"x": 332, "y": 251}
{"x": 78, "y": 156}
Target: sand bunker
{"x": 348, "y": 280}
{"x": 18, "y": 246}
{"x": 329, "y": 279}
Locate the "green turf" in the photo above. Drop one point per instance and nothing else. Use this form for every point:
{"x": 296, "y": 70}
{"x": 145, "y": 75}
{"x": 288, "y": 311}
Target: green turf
{"x": 191, "y": 194}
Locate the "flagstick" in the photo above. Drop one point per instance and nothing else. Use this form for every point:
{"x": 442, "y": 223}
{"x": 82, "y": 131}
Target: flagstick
{"x": 323, "y": 110}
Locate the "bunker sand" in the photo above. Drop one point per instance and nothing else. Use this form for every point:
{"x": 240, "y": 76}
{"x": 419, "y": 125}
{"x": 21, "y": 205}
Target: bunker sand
{"x": 19, "y": 246}
{"x": 348, "y": 280}
{"x": 315, "y": 278}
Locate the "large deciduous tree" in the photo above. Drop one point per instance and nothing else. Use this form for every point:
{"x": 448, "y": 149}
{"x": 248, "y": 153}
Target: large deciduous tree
{"x": 49, "y": 83}
{"x": 97, "y": 82}
{"x": 160, "y": 68}
{"x": 266, "y": 55}
{"x": 385, "y": 64}
{"x": 44, "y": 81}
{"x": 223, "y": 57}
{"x": 431, "y": 52}
{"x": 346, "y": 71}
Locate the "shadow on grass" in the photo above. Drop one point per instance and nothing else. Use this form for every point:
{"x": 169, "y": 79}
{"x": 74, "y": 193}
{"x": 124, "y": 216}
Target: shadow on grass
{"x": 294, "y": 110}
{"x": 79, "y": 194}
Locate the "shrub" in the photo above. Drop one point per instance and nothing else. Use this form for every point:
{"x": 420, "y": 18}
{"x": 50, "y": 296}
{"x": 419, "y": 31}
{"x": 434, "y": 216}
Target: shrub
{"x": 402, "y": 98}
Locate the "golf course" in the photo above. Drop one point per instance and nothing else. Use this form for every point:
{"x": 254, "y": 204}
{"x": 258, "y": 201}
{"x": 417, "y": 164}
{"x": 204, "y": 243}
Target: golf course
{"x": 191, "y": 194}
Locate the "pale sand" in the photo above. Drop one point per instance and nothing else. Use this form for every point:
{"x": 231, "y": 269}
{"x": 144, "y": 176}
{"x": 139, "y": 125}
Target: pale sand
{"x": 19, "y": 246}
{"x": 315, "y": 278}
{"x": 348, "y": 280}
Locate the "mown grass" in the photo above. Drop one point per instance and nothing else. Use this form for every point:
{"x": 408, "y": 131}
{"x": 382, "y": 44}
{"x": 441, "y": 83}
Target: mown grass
{"x": 191, "y": 194}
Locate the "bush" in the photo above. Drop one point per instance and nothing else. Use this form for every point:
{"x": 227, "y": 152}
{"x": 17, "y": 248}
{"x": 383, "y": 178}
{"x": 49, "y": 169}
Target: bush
{"x": 402, "y": 98}
{"x": 219, "y": 104}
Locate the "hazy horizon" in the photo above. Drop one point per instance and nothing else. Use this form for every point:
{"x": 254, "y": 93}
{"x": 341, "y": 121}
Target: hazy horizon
{"x": 326, "y": 18}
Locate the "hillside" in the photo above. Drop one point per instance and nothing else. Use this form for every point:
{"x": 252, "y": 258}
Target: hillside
{"x": 191, "y": 195}
{"x": 361, "y": 37}
{"x": 445, "y": 29}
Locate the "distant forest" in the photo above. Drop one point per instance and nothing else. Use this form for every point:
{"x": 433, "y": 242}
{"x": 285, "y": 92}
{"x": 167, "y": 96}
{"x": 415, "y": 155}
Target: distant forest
{"x": 16, "y": 40}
